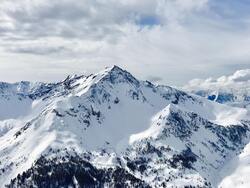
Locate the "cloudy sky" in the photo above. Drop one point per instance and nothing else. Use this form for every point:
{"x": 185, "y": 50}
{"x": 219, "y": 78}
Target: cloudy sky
{"x": 165, "y": 41}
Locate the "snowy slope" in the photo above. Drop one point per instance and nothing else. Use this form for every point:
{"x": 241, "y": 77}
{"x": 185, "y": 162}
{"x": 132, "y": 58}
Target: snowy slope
{"x": 233, "y": 90}
{"x": 236, "y": 172}
{"x": 109, "y": 127}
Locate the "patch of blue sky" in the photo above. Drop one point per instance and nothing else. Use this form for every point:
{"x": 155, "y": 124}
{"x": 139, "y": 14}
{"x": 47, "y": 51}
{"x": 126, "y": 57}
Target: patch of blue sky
{"x": 148, "y": 21}
{"x": 231, "y": 9}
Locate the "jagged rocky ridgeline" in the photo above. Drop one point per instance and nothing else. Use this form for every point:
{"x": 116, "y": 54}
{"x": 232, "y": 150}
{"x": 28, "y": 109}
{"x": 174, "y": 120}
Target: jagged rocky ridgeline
{"x": 111, "y": 130}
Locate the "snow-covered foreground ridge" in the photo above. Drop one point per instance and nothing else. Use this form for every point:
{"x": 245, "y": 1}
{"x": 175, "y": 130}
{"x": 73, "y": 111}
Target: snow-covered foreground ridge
{"x": 111, "y": 130}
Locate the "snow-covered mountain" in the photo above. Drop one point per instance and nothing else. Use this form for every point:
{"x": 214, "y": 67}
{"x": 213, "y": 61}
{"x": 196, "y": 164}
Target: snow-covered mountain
{"x": 111, "y": 130}
{"x": 233, "y": 90}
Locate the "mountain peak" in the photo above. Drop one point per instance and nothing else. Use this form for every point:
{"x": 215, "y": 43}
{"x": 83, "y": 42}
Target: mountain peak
{"x": 116, "y": 74}
{"x": 115, "y": 68}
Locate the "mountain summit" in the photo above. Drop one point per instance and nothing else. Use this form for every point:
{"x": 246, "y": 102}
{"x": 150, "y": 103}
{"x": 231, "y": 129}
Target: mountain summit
{"x": 111, "y": 130}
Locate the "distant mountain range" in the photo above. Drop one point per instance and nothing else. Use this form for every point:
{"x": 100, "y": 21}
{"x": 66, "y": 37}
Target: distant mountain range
{"x": 233, "y": 90}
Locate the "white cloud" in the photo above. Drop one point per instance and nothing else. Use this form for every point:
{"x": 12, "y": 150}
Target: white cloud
{"x": 239, "y": 82}
{"x": 240, "y": 76}
{"x": 171, "y": 40}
